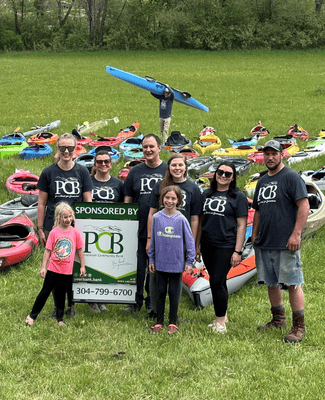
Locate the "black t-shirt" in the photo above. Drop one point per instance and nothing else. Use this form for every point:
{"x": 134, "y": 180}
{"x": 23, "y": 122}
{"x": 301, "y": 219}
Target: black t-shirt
{"x": 192, "y": 198}
{"x": 219, "y": 225}
{"x": 61, "y": 185}
{"x": 165, "y": 104}
{"x": 138, "y": 185}
{"x": 275, "y": 198}
{"x": 110, "y": 191}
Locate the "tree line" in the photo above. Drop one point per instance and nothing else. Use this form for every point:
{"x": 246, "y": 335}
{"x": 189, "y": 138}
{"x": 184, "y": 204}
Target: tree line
{"x": 57, "y": 25}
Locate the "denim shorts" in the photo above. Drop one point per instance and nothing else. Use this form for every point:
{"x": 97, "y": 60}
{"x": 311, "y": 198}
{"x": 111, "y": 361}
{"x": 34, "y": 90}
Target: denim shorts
{"x": 279, "y": 268}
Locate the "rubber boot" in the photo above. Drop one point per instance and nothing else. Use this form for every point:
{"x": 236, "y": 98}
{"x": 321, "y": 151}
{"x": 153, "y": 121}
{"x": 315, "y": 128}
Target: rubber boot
{"x": 278, "y": 320}
{"x": 298, "y": 329}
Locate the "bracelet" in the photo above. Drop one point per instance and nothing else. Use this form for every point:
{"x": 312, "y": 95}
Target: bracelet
{"x": 40, "y": 228}
{"x": 148, "y": 237}
{"x": 238, "y": 252}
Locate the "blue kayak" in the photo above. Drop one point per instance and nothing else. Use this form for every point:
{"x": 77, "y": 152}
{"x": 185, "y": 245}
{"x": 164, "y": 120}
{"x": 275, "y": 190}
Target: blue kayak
{"x": 35, "y": 151}
{"x": 154, "y": 86}
{"x": 12, "y": 138}
{"x": 114, "y": 154}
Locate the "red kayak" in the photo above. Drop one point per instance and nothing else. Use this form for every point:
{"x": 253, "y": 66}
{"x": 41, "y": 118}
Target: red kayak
{"x": 22, "y": 182}
{"x": 129, "y": 131}
{"x": 18, "y": 239}
{"x": 197, "y": 284}
{"x": 106, "y": 141}
{"x": 78, "y": 151}
{"x": 189, "y": 153}
{"x": 298, "y": 132}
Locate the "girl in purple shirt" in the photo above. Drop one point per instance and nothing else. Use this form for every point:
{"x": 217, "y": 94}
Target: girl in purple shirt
{"x": 172, "y": 245}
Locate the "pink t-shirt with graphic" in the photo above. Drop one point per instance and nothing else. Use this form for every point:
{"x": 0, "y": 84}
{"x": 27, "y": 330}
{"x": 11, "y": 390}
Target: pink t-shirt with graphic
{"x": 63, "y": 246}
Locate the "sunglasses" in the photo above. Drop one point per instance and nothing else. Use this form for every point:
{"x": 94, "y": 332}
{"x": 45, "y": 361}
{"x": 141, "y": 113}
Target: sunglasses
{"x": 106, "y": 162}
{"x": 221, "y": 172}
{"x": 64, "y": 148}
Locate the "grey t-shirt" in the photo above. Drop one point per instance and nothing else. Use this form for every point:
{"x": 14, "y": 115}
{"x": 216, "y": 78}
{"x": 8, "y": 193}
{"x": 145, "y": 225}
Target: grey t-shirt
{"x": 275, "y": 198}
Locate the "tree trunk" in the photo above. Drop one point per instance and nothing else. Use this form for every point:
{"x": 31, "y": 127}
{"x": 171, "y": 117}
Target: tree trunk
{"x": 63, "y": 20}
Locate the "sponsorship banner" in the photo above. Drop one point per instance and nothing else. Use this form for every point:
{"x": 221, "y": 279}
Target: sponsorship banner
{"x": 110, "y": 234}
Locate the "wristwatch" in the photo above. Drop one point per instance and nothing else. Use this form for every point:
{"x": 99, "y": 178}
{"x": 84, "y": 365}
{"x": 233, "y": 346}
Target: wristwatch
{"x": 238, "y": 252}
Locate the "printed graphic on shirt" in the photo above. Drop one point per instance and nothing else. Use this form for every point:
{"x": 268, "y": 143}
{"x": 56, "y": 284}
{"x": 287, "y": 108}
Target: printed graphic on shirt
{"x": 168, "y": 232}
{"x": 147, "y": 182}
{"x": 163, "y": 104}
{"x": 67, "y": 187}
{"x": 63, "y": 248}
{"x": 103, "y": 193}
{"x": 267, "y": 193}
{"x": 183, "y": 203}
{"x": 215, "y": 205}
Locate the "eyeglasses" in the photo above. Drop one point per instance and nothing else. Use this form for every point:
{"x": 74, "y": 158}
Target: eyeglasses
{"x": 221, "y": 172}
{"x": 106, "y": 162}
{"x": 64, "y": 148}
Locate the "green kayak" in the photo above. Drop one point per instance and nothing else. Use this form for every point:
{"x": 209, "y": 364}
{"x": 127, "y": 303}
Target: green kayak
{"x": 11, "y": 149}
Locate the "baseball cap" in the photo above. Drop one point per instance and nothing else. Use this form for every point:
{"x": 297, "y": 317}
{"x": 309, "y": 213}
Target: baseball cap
{"x": 273, "y": 144}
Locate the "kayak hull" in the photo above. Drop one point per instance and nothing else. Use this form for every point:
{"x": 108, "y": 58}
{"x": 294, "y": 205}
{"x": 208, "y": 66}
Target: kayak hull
{"x": 18, "y": 239}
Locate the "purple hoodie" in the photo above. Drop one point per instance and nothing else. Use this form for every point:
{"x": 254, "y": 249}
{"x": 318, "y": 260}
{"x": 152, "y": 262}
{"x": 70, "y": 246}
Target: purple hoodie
{"x": 171, "y": 240}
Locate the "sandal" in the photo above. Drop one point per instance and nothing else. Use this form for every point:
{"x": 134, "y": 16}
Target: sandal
{"x": 29, "y": 321}
{"x": 156, "y": 328}
{"x": 172, "y": 329}
{"x": 61, "y": 323}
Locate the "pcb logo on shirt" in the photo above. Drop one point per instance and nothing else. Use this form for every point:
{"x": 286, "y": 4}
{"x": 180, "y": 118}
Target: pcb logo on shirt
{"x": 63, "y": 248}
{"x": 169, "y": 230}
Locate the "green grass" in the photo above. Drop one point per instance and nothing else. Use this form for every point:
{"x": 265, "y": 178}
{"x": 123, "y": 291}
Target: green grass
{"x": 76, "y": 362}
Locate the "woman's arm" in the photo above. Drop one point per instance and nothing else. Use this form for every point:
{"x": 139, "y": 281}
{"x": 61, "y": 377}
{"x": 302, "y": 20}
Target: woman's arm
{"x": 42, "y": 201}
{"x": 240, "y": 237}
{"x": 86, "y": 197}
{"x": 194, "y": 225}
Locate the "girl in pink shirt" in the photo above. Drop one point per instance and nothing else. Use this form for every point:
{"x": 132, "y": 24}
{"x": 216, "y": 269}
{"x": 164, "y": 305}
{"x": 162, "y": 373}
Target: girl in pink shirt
{"x": 63, "y": 242}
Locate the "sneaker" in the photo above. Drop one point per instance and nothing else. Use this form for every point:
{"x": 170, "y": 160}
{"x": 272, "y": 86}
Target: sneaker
{"x": 214, "y": 322}
{"x": 151, "y": 315}
{"x": 156, "y": 328}
{"x": 219, "y": 328}
{"x": 94, "y": 308}
{"x": 102, "y": 307}
{"x": 172, "y": 329}
{"x": 70, "y": 312}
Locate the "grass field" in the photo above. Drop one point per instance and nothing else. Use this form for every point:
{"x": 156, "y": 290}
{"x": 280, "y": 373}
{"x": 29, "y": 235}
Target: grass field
{"x": 76, "y": 362}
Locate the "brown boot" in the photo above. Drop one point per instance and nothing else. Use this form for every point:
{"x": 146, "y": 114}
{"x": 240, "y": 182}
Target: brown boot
{"x": 278, "y": 320}
{"x": 298, "y": 329}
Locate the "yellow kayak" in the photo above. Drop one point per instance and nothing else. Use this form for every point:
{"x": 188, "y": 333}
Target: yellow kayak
{"x": 207, "y": 143}
{"x": 235, "y": 151}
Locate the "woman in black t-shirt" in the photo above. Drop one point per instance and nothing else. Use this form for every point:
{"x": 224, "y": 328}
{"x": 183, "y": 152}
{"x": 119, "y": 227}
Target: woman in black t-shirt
{"x": 221, "y": 235}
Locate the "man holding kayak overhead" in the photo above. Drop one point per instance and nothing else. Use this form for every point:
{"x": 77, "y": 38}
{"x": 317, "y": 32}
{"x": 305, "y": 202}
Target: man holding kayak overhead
{"x": 165, "y": 110}
{"x": 282, "y": 207}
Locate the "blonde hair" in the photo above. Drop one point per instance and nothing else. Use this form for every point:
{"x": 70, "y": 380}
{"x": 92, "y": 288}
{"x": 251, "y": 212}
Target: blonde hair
{"x": 59, "y": 208}
{"x": 66, "y": 136}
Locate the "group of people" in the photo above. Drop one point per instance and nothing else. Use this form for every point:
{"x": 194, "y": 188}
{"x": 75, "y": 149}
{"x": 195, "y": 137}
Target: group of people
{"x": 178, "y": 224}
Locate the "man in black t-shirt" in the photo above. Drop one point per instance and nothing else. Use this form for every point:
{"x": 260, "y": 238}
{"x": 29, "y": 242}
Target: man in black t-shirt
{"x": 282, "y": 207}
{"x": 137, "y": 189}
